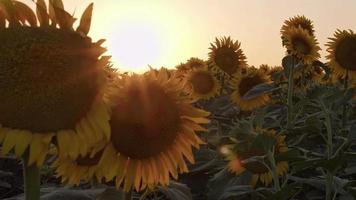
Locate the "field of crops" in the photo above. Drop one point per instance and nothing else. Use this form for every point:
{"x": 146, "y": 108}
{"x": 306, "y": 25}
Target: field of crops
{"x": 75, "y": 126}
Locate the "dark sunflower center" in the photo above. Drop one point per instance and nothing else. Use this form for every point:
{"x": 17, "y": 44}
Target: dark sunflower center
{"x": 346, "y": 53}
{"x": 301, "y": 45}
{"x": 254, "y": 166}
{"x": 48, "y": 78}
{"x": 146, "y": 122}
{"x": 202, "y": 82}
{"x": 227, "y": 60}
{"x": 247, "y": 83}
{"x": 89, "y": 161}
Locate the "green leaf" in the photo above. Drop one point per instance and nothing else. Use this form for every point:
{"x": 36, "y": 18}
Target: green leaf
{"x": 259, "y": 90}
{"x": 176, "y": 191}
{"x": 263, "y": 142}
{"x": 292, "y": 155}
{"x": 286, "y": 192}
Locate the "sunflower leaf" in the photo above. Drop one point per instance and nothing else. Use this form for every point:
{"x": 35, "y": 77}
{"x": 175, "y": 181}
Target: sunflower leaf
{"x": 259, "y": 90}
{"x": 176, "y": 191}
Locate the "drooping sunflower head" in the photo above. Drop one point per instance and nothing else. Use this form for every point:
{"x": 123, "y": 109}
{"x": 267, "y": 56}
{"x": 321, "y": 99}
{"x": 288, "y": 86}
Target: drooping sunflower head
{"x": 202, "y": 84}
{"x": 153, "y": 130}
{"x": 342, "y": 54}
{"x": 260, "y": 172}
{"x": 299, "y": 21}
{"x": 52, "y": 79}
{"x": 227, "y": 55}
{"x": 83, "y": 168}
{"x": 302, "y": 45}
{"x": 242, "y": 83}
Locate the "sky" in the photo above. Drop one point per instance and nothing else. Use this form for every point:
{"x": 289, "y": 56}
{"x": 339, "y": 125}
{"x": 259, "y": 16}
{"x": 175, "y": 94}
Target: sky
{"x": 168, "y": 32}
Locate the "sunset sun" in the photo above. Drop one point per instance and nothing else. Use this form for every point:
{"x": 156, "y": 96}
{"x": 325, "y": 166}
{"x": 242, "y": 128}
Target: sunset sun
{"x": 135, "y": 45}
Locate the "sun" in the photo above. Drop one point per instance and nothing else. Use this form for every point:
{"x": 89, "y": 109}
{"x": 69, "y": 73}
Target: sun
{"x": 134, "y": 46}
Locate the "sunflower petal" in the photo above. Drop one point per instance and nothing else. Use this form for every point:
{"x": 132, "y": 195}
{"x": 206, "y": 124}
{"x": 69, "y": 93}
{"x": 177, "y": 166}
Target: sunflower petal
{"x": 85, "y": 20}
{"x": 25, "y": 13}
{"x": 41, "y": 11}
{"x": 22, "y": 144}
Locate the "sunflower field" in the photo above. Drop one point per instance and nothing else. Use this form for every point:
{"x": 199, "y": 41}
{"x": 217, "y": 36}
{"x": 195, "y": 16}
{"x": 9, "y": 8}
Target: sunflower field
{"x": 215, "y": 129}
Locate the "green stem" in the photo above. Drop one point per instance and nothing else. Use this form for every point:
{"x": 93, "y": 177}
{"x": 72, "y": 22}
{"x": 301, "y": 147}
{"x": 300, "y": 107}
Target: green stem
{"x": 290, "y": 96}
{"x": 272, "y": 161}
{"x": 222, "y": 84}
{"x": 128, "y": 195}
{"x": 344, "y": 112}
{"x": 32, "y": 177}
{"x": 329, "y": 175}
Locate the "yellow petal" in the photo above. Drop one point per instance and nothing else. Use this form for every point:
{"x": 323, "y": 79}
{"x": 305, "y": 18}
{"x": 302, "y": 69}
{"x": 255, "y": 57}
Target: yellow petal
{"x": 85, "y": 20}
{"x": 10, "y": 141}
{"x": 41, "y": 11}
{"x": 23, "y": 142}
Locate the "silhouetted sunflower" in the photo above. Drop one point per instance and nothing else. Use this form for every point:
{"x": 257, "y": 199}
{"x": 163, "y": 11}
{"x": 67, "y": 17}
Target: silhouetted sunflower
{"x": 83, "y": 168}
{"x": 227, "y": 55}
{"x": 242, "y": 83}
{"x": 342, "y": 54}
{"x": 153, "y": 131}
{"x": 302, "y": 45}
{"x": 299, "y": 21}
{"x": 259, "y": 171}
{"x": 202, "y": 84}
{"x": 195, "y": 63}
{"x": 52, "y": 81}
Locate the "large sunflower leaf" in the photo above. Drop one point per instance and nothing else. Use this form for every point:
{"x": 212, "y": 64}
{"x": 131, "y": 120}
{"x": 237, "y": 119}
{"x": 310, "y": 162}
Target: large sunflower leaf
{"x": 176, "y": 191}
{"x": 259, "y": 90}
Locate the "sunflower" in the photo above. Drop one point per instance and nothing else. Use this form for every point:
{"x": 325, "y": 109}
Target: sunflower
{"x": 260, "y": 172}
{"x": 153, "y": 130}
{"x": 242, "y": 83}
{"x": 52, "y": 82}
{"x": 302, "y": 45}
{"x": 227, "y": 55}
{"x": 342, "y": 54}
{"x": 299, "y": 21}
{"x": 82, "y": 168}
{"x": 202, "y": 84}
{"x": 195, "y": 63}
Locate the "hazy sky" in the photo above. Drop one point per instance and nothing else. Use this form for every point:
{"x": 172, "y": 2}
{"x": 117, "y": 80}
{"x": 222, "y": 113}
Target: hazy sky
{"x": 167, "y": 32}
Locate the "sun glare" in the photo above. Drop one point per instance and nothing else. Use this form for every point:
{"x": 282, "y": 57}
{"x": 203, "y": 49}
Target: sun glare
{"x": 135, "y": 45}
{"x": 140, "y": 34}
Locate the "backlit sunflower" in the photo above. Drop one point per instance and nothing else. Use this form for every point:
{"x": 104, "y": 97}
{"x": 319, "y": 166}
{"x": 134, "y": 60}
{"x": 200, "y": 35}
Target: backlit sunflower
{"x": 195, "y": 63}
{"x": 302, "y": 45}
{"x": 227, "y": 55}
{"x": 202, "y": 84}
{"x": 299, "y": 21}
{"x": 83, "y": 168}
{"x": 242, "y": 83}
{"x": 52, "y": 81}
{"x": 153, "y": 130}
{"x": 342, "y": 54}
{"x": 260, "y": 172}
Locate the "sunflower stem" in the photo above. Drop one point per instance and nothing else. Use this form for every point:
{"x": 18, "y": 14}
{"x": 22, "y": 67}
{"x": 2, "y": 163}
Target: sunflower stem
{"x": 32, "y": 178}
{"x": 329, "y": 175}
{"x": 290, "y": 96}
{"x": 272, "y": 162}
{"x": 344, "y": 111}
{"x": 128, "y": 195}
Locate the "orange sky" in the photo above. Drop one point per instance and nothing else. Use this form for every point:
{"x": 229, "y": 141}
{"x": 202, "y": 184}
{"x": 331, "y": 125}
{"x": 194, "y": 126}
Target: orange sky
{"x": 167, "y": 32}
